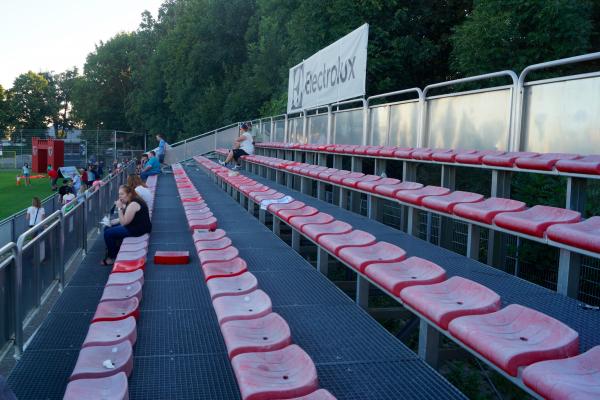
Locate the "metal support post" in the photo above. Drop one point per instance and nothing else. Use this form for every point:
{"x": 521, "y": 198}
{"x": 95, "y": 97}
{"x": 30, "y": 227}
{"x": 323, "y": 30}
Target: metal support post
{"x": 306, "y": 186}
{"x": 447, "y": 224}
{"x": 322, "y": 261}
{"x": 496, "y": 240}
{"x": 362, "y": 291}
{"x": 355, "y": 196}
{"x": 295, "y": 240}
{"x": 337, "y": 164}
{"x": 569, "y": 268}
{"x": 321, "y": 190}
{"x": 429, "y": 344}
{"x": 374, "y": 207}
{"x": 343, "y": 200}
{"x": 250, "y": 206}
{"x": 473, "y": 235}
{"x": 276, "y": 225}
{"x": 261, "y": 215}
{"x": 380, "y": 166}
{"x": 412, "y": 224}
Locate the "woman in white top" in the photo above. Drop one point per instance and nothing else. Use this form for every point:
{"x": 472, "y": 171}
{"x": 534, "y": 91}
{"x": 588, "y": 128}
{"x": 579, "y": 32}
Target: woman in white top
{"x": 242, "y": 146}
{"x": 140, "y": 188}
{"x": 35, "y": 213}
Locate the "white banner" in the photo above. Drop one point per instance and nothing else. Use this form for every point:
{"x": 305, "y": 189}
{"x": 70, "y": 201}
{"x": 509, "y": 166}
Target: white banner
{"x": 337, "y": 72}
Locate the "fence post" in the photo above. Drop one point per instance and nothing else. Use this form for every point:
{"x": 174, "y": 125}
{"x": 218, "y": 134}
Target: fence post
{"x": 18, "y": 298}
{"x": 61, "y": 252}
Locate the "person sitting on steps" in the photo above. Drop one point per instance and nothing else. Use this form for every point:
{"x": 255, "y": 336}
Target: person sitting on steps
{"x": 242, "y": 146}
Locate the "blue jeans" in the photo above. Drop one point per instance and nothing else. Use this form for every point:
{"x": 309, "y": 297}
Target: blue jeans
{"x": 113, "y": 237}
{"x": 145, "y": 174}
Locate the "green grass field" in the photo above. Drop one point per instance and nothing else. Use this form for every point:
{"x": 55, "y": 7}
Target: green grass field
{"x": 14, "y": 198}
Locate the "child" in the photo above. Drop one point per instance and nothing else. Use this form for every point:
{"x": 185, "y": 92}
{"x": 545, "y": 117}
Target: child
{"x": 26, "y": 174}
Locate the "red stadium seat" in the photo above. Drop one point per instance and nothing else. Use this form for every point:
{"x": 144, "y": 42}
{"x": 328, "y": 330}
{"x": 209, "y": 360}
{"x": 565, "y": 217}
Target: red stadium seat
{"x": 544, "y": 162}
{"x": 476, "y": 158}
{"x": 294, "y": 205}
{"x": 267, "y": 333}
{"x": 279, "y": 374}
{"x": 572, "y": 378}
{"x": 404, "y": 152}
{"x": 232, "y": 286}
{"x": 352, "y": 182}
{"x": 335, "y": 242}
{"x": 507, "y": 159}
{"x": 107, "y": 333}
{"x": 226, "y": 254}
{"x": 112, "y": 387}
{"x": 416, "y": 196}
{"x": 456, "y": 297}
{"x": 114, "y": 310}
{"x": 485, "y": 211}
{"x": 224, "y": 269}
{"x": 126, "y": 278}
{"x": 447, "y": 202}
{"x": 218, "y": 244}
{"x": 381, "y": 252}
{"x": 341, "y": 175}
{"x": 535, "y": 220}
{"x": 129, "y": 265}
{"x": 320, "y": 394}
{"x": 306, "y": 211}
{"x": 315, "y": 231}
{"x": 318, "y": 218}
{"x": 209, "y": 223}
{"x": 370, "y": 186}
{"x": 200, "y": 235}
{"x": 584, "y": 165}
{"x": 391, "y": 190}
{"x": 449, "y": 156}
{"x": 584, "y": 235}
{"x": 397, "y": 275}
{"x": 247, "y": 306}
{"x": 92, "y": 360}
{"x": 516, "y": 336}
{"x": 122, "y": 292}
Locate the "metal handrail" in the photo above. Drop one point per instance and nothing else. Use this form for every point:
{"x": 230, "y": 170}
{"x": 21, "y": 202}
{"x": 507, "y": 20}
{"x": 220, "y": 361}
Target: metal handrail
{"x": 556, "y": 63}
{"x": 482, "y": 77}
{"x": 211, "y": 132}
{"x": 397, "y": 92}
{"x": 41, "y": 229}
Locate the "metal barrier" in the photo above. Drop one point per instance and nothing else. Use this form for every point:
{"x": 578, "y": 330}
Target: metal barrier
{"x": 35, "y": 265}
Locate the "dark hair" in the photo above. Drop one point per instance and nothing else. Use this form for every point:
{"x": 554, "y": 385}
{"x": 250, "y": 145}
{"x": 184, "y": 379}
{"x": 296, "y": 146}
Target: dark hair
{"x": 35, "y": 201}
{"x": 244, "y": 127}
{"x": 152, "y": 152}
{"x": 160, "y": 135}
{"x": 135, "y": 181}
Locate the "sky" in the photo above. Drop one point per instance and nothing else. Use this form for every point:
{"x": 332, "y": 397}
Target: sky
{"x": 54, "y": 35}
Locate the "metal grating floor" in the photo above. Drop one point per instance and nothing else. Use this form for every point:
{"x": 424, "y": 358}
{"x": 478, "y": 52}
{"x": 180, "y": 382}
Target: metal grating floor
{"x": 510, "y": 288}
{"x": 356, "y": 358}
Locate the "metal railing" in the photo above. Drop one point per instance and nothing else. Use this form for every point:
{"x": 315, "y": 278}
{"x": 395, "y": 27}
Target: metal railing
{"x": 33, "y": 265}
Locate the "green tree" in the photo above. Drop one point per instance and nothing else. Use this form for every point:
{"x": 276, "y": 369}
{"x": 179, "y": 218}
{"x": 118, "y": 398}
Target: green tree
{"x": 4, "y": 111}
{"x": 511, "y": 34}
{"x": 64, "y": 88}
{"x": 32, "y": 102}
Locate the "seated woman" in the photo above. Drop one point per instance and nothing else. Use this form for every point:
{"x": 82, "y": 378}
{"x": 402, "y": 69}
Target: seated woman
{"x": 134, "y": 220}
{"x": 140, "y": 187}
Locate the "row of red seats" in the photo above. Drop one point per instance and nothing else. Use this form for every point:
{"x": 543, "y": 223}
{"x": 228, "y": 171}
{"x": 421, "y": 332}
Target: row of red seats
{"x": 561, "y": 162}
{"x": 265, "y": 362}
{"x": 106, "y": 358}
{"x": 511, "y": 338}
{"x": 551, "y": 224}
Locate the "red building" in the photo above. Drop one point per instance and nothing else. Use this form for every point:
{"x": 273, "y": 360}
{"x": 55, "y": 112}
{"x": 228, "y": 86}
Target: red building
{"x": 46, "y": 152}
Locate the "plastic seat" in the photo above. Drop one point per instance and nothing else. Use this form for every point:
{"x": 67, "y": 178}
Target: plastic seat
{"x": 128, "y": 265}
{"x": 339, "y": 174}
{"x": 248, "y": 306}
{"x": 293, "y": 205}
{"x": 107, "y": 333}
{"x": 476, "y": 158}
{"x": 391, "y": 190}
{"x": 206, "y": 223}
{"x": 449, "y": 156}
{"x": 299, "y": 212}
{"x": 584, "y": 235}
{"x": 507, "y": 159}
{"x": 122, "y": 292}
{"x": 218, "y": 244}
{"x": 136, "y": 239}
{"x": 403, "y": 152}
{"x": 134, "y": 247}
{"x": 114, "y": 310}
{"x": 226, "y": 254}
{"x": 516, "y": 336}
{"x": 572, "y": 378}
{"x": 352, "y": 182}
{"x": 261, "y": 192}
{"x": 544, "y": 162}
{"x": 369, "y": 186}
{"x": 224, "y": 269}
{"x": 92, "y": 360}
{"x": 315, "y": 231}
{"x": 339, "y": 177}
{"x": 198, "y": 214}
{"x": 267, "y": 333}
{"x": 112, "y": 387}
{"x": 320, "y": 394}
{"x": 447, "y": 202}
{"x": 397, "y": 275}
{"x": 284, "y": 373}
{"x": 485, "y": 211}
{"x": 201, "y": 235}
{"x": 335, "y": 242}
{"x": 232, "y": 286}
{"x": 535, "y": 220}
{"x": 327, "y": 173}
{"x": 447, "y": 300}
{"x": 131, "y": 255}
{"x": 196, "y": 206}
{"x": 171, "y": 257}
{"x": 416, "y": 196}
{"x": 259, "y": 199}
{"x": 191, "y": 199}
{"x": 381, "y": 252}
{"x": 126, "y": 278}
{"x": 584, "y": 165}
{"x": 426, "y": 154}
{"x": 318, "y": 218}
{"x": 361, "y": 150}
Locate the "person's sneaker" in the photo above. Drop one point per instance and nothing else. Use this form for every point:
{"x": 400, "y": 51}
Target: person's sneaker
{"x": 221, "y": 162}
{"x": 236, "y": 168}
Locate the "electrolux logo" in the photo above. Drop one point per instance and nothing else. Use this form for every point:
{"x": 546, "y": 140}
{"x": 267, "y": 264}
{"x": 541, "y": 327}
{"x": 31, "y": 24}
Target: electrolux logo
{"x": 297, "y": 94}
{"x": 330, "y": 76}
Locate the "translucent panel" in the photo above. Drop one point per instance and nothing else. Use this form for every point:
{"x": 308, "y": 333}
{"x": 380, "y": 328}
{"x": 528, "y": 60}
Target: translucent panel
{"x": 559, "y": 110}
{"x": 279, "y": 131}
{"x": 379, "y": 126}
{"x": 348, "y": 127}
{"x": 295, "y": 130}
{"x": 404, "y": 124}
{"x": 317, "y": 129}
{"x": 470, "y": 121}
{"x": 226, "y": 137}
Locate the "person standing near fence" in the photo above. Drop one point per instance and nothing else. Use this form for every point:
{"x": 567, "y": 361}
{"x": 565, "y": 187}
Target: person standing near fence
{"x": 53, "y": 174}
{"x": 27, "y": 174}
{"x": 152, "y": 167}
{"x": 35, "y": 213}
{"x": 162, "y": 148}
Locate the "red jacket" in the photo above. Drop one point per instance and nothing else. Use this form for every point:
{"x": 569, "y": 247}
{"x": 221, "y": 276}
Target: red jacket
{"x": 53, "y": 174}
